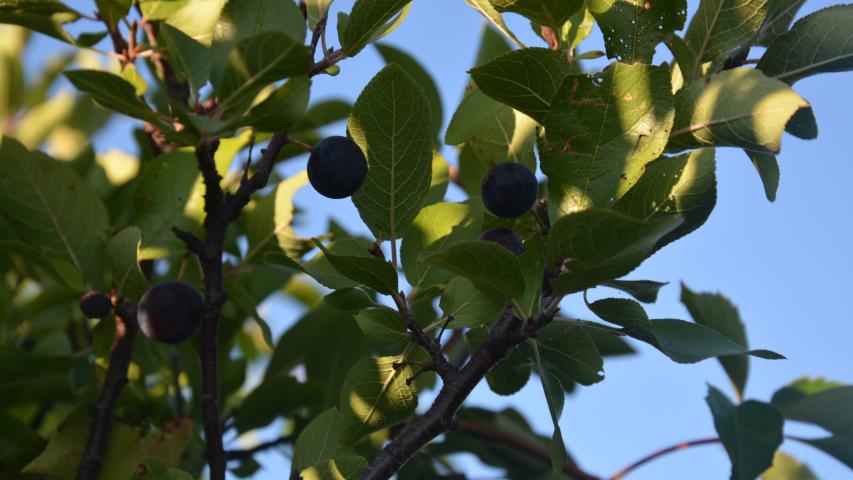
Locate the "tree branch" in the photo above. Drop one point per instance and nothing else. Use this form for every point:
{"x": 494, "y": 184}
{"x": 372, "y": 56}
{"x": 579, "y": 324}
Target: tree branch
{"x": 507, "y": 334}
{"x": 104, "y": 408}
{"x": 486, "y": 432}
{"x": 250, "y": 452}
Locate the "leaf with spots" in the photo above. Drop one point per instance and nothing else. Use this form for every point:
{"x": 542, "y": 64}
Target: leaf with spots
{"x": 390, "y": 121}
{"x": 685, "y": 186}
{"x": 602, "y": 131}
{"x": 633, "y": 28}
{"x": 375, "y": 395}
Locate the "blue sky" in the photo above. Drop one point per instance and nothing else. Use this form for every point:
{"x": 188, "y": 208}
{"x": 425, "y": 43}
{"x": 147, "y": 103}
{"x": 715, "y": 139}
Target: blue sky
{"x": 787, "y": 266}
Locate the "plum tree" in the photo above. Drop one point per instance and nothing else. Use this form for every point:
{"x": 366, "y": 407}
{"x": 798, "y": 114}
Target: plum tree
{"x": 505, "y": 238}
{"x": 407, "y": 306}
{"x": 337, "y": 167}
{"x": 509, "y": 189}
{"x": 95, "y": 305}
{"x": 170, "y": 312}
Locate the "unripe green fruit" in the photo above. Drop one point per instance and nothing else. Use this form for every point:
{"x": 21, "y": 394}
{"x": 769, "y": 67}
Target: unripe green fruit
{"x": 170, "y": 312}
{"x": 337, "y": 167}
{"x": 95, "y": 305}
{"x": 509, "y": 189}
{"x": 505, "y": 238}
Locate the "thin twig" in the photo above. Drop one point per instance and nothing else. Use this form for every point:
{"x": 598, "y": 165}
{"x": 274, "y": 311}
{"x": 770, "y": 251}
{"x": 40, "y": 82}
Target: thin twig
{"x": 523, "y": 445}
{"x": 250, "y": 452}
{"x": 104, "y": 408}
{"x": 439, "y": 363}
{"x": 674, "y": 448}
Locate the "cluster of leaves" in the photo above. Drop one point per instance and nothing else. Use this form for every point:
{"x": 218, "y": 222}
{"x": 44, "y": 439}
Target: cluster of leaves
{"x": 628, "y": 156}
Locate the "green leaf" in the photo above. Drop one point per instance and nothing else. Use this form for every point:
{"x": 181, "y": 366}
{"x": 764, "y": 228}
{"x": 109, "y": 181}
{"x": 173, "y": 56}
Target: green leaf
{"x": 366, "y": 20}
{"x": 720, "y": 27}
{"x": 717, "y": 312}
{"x": 751, "y": 433}
{"x": 439, "y": 181}
{"x": 468, "y": 305}
{"x": 533, "y": 266}
{"x": 602, "y": 131}
{"x": 818, "y": 43}
{"x": 114, "y": 93}
{"x": 645, "y": 291}
{"x": 274, "y": 397}
{"x": 29, "y": 378}
{"x": 322, "y": 270}
{"x": 342, "y": 467}
{"x": 786, "y": 467}
{"x": 19, "y": 444}
{"x": 128, "y": 447}
{"x": 555, "y": 397}
{"x": 238, "y": 294}
{"x": 349, "y": 299}
{"x": 382, "y": 325}
{"x": 424, "y": 80}
{"x": 190, "y": 58}
{"x": 633, "y": 28}
{"x": 436, "y": 228}
{"x": 685, "y": 185}
{"x": 113, "y": 11}
{"x": 491, "y": 268}
{"x": 599, "y": 245}
{"x": 510, "y": 374}
{"x": 734, "y": 108}
{"x": 526, "y": 79}
{"x": 257, "y": 61}
{"x": 196, "y": 18}
{"x": 553, "y": 13}
{"x": 626, "y": 313}
{"x": 567, "y": 351}
{"x": 818, "y": 402}
{"x": 768, "y": 169}
{"x": 687, "y": 342}
{"x": 53, "y": 209}
{"x": 162, "y": 200}
{"x": 317, "y": 10}
{"x": 390, "y": 122}
{"x": 43, "y": 16}
{"x": 368, "y": 271}
{"x": 318, "y": 441}
{"x": 375, "y": 395}
{"x": 122, "y": 256}
{"x": 475, "y": 109}
{"x": 839, "y": 447}
{"x": 780, "y": 14}
{"x": 269, "y": 225}
{"x": 494, "y": 17}
{"x": 803, "y": 124}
